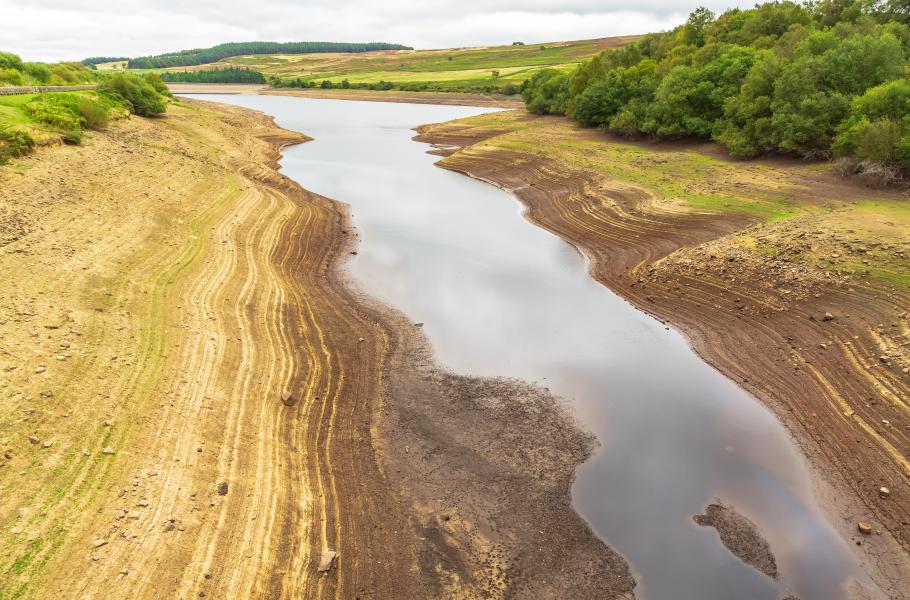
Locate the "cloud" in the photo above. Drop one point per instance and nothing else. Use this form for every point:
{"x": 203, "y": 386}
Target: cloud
{"x": 74, "y": 29}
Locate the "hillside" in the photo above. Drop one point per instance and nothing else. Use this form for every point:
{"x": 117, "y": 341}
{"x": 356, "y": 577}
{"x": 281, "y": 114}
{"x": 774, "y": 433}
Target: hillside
{"x": 490, "y": 68}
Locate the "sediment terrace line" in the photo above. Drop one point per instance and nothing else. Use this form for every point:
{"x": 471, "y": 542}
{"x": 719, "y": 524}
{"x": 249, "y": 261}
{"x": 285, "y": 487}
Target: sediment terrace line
{"x": 739, "y": 327}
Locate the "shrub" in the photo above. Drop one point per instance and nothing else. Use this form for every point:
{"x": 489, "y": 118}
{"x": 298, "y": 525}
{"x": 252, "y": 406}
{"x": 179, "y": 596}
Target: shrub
{"x": 11, "y": 76}
{"x": 58, "y": 110}
{"x": 10, "y": 61}
{"x": 39, "y": 73}
{"x": 155, "y": 80}
{"x": 95, "y": 115}
{"x": 14, "y": 144}
{"x": 139, "y": 95}
{"x": 72, "y": 137}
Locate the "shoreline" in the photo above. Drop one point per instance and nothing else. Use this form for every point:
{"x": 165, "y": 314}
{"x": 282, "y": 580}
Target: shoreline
{"x": 395, "y": 96}
{"x": 283, "y": 416}
{"x": 634, "y": 269}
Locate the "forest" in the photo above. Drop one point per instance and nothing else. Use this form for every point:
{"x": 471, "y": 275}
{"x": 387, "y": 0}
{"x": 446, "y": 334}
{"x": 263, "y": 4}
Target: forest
{"x": 205, "y": 56}
{"x": 825, "y": 79}
{"x": 231, "y": 75}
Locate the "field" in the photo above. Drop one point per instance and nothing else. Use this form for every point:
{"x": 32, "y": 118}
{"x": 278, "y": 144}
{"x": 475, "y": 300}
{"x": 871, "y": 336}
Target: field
{"x": 450, "y": 69}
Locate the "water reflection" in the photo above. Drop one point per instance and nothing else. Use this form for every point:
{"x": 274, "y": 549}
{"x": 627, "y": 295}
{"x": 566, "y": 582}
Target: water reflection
{"x": 501, "y": 297}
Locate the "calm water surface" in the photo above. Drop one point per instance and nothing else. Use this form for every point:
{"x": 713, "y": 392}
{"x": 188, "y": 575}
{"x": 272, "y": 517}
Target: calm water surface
{"x": 499, "y": 296}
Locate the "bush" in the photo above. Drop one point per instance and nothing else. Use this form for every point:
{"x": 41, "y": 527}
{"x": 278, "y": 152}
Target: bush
{"x": 11, "y": 76}
{"x": 95, "y": 115}
{"x": 138, "y": 93}
{"x": 72, "y": 137}
{"x": 14, "y": 144}
{"x": 57, "y": 110}
{"x": 10, "y": 61}
{"x": 155, "y": 80}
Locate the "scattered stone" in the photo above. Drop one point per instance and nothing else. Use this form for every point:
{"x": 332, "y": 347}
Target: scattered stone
{"x": 40, "y": 369}
{"x": 223, "y": 488}
{"x": 33, "y": 439}
{"x": 883, "y": 492}
{"x": 884, "y": 359}
{"x": 418, "y": 324}
{"x": 99, "y": 542}
{"x": 864, "y": 528}
{"x": 326, "y": 560}
{"x": 8, "y": 455}
{"x": 828, "y": 317}
{"x": 288, "y": 399}
{"x": 47, "y": 444}
{"x": 107, "y": 451}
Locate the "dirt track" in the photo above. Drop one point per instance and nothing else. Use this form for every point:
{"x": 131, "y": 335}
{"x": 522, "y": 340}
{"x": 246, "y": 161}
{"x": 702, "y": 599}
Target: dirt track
{"x": 164, "y": 289}
{"x": 759, "y": 320}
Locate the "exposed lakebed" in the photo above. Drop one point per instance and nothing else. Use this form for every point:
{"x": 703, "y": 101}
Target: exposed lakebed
{"x": 501, "y": 297}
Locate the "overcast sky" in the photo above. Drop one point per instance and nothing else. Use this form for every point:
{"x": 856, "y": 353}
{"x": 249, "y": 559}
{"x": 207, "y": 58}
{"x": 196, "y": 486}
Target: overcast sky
{"x": 50, "y": 30}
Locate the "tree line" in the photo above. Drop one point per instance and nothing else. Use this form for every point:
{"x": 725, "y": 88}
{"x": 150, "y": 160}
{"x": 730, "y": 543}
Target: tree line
{"x": 817, "y": 80}
{"x": 231, "y": 75}
{"x": 97, "y": 60}
{"x": 202, "y": 56}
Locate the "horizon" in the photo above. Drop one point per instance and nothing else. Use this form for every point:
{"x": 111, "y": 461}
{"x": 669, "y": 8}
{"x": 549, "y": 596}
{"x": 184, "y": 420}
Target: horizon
{"x": 87, "y": 28}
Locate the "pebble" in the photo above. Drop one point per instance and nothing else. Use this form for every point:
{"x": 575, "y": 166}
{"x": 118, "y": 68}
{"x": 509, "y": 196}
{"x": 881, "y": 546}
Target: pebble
{"x": 883, "y": 492}
{"x": 99, "y": 542}
{"x": 33, "y": 439}
{"x": 223, "y": 488}
{"x": 326, "y": 560}
{"x": 107, "y": 450}
{"x": 828, "y": 317}
{"x": 47, "y": 444}
{"x": 864, "y": 528}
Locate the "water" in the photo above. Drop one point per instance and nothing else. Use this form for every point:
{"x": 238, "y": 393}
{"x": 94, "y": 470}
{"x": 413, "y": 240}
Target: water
{"x": 499, "y": 296}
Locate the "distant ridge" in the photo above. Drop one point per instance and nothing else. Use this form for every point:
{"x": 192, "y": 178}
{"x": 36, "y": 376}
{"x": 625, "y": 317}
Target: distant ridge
{"x": 202, "y": 56}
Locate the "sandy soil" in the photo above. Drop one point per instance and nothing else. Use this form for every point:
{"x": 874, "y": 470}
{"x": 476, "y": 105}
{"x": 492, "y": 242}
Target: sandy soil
{"x": 839, "y": 383}
{"x": 193, "y": 402}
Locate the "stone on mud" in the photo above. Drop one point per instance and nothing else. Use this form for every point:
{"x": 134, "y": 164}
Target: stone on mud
{"x": 288, "y": 399}
{"x": 326, "y": 560}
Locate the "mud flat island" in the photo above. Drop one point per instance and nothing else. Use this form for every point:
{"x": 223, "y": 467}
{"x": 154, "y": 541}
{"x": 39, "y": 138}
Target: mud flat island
{"x": 765, "y": 266}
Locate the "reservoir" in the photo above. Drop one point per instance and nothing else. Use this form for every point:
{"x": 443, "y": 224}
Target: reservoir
{"x": 499, "y": 296}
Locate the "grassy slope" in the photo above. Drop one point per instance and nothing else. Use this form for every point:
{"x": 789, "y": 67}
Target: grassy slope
{"x": 807, "y": 216}
{"x": 457, "y": 67}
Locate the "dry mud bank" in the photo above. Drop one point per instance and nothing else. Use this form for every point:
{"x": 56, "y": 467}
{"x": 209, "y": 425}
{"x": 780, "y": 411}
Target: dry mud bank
{"x": 769, "y": 268}
{"x": 193, "y": 402}
{"x": 447, "y": 98}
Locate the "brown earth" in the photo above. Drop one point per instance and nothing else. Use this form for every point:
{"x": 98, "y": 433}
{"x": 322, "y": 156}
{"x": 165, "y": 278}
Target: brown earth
{"x": 839, "y": 383}
{"x": 193, "y": 402}
{"x": 450, "y": 98}
{"x": 740, "y": 536}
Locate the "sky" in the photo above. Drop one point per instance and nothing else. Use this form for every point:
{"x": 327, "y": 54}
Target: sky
{"x": 52, "y": 30}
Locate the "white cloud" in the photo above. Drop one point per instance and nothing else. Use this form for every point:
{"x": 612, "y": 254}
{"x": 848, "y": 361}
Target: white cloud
{"x": 75, "y": 29}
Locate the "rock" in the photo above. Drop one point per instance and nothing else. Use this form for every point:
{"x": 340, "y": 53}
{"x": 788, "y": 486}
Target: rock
{"x": 8, "y": 455}
{"x": 33, "y": 439}
{"x": 883, "y": 492}
{"x": 864, "y": 528}
{"x": 107, "y": 451}
{"x": 288, "y": 399}
{"x": 40, "y": 369}
{"x": 828, "y": 317}
{"x": 326, "y": 560}
{"x": 47, "y": 444}
{"x": 99, "y": 542}
{"x": 884, "y": 359}
{"x": 223, "y": 488}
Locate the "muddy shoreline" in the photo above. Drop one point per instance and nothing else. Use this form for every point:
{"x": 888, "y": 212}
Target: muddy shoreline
{"x": 730, "y": 308}
{"x": 454, "y": 507}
